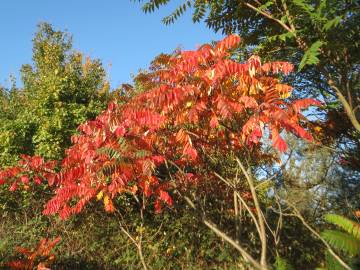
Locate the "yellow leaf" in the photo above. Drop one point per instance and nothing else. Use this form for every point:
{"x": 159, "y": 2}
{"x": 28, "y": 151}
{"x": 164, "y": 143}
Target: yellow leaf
{"x": 106, "y": 200}
{"x": 211, "y": 74}
{"x": 252, "y": 71}
{"x": 318, "y": 128}
{"x": 252, "y": 90}
{"x": 284, "y": 95}
{"x": 99, "y": 195}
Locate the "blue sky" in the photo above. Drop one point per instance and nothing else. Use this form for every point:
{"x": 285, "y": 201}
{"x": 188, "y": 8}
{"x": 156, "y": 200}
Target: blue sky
{"x": 115, "y": 31}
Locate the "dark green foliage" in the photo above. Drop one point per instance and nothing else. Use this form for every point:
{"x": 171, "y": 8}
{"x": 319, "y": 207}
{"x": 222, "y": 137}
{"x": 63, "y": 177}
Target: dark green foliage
{"x": 282, "y": 264}
{"x": 60, "y": 90}
{"x": 177, "y": 13}
{"x": 93, "y": 240}
{"x": 322, "y": 39}
{"x": 153, "y": 4}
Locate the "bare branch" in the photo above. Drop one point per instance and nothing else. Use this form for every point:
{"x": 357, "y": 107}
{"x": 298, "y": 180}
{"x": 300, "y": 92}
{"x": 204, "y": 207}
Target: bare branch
{"x": 259, "y": 214}
{"x": 228, "y": 239}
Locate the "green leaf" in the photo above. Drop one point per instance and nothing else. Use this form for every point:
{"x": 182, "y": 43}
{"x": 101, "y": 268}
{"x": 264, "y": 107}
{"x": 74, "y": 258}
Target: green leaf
{"x": 342, "y": 241}
{"x": 282, "y": 264}
{"x": 304, "y": 6}
{"x": 266, "y": 5}
{"x": 310, "y": 56}
{"x": 332, "y": 263}
{"x": 331, "y": 23}
{"x": 142, "y": 154}
{"x": 321, "y": 7}
{"x": 333, "y": 105}
{"x": 110, "y": 152}
{"x": 346, "y": 224}
{"x": 199, "y": 11}
{"x": 153, "y": 4}
{"x": 176, "y": 13}
{"x": 282, "y": 37}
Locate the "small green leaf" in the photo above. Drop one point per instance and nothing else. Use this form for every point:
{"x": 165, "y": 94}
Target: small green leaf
{"x": 331, "y": 23}
{"x": 310, "y": 56}
{"x": 282, "y": 264}
{"x": 266, "y": 5}
{"x": 304, "y": 6}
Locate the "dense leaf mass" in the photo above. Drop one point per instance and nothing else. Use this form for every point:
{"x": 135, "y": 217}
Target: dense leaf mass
{"x": 33, "y": 169}
{"x": 194, "y": 102}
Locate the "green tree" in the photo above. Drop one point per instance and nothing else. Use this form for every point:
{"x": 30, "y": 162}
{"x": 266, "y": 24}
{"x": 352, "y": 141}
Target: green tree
{"x": 16, "y": 129}
{"x": 61, "y": 90}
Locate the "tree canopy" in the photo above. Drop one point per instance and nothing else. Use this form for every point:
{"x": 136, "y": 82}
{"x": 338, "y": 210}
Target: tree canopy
{"x": 60, "y": 90}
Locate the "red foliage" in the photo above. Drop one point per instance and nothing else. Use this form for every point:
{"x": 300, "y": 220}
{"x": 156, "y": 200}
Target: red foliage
{"x": 29, "y": 168}
{"x": 194, "y": 102}
{"x": 40, "y": 258}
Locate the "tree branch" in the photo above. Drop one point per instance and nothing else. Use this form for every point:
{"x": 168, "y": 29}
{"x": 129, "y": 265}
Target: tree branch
{"x": 228, "y": 239}
{"x": 332, "y": 252}
{"x": 262, "y": 232}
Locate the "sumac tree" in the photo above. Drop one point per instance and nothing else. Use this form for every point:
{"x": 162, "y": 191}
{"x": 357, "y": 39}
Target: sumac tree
{"x": 194, "y": 103}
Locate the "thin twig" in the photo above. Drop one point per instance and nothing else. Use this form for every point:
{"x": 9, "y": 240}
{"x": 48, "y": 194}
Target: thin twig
{"x": 228, "y": 239}
{"x": 136, "y": 243}
{"x": 259, "y": 214}
{"x": 332, "y": 252}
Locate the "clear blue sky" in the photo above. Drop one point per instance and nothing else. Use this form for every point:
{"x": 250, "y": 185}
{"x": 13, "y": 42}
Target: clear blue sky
{"x": 115, "y": 31}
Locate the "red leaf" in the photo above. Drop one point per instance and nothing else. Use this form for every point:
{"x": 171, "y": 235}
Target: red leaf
{"x": 24, "y": 179}
{"x": 255, "y": 135}
{"x": 302, "y": 133}
{"x": 304, "y": 103}
{"x": 112, "y": 106}
{"x": 42, "y": 266}
{"x": 13, "y": 187}
{"x": 278, "y": 141}
{"x": 157, "y": 206}
{"x": 51, "y": 179}
{"x": 158, "y": 160}
{"x": 37, "y": 180}
{"x": 249, "y": 102}
{"x": 109, "y": 206}
{"x": 228, "y": 43}
{"x": 214, "y": 123}
{"x": 164, "y": 196}
{"x": 184, "y": 95}
{"x": 145, "y": 185}
{"x": 120, "y": 131}
{"x": 190, "y": 152}
{"x": 17, "y": 265}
